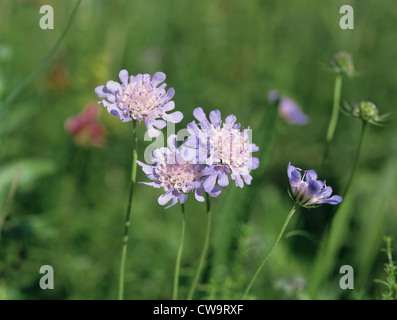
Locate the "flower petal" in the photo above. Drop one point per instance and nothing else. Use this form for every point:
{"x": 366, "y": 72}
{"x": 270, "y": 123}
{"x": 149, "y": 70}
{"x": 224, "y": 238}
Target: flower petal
{"x": 99, "y": 91}
{"x": 198, "y": 195}
{"x": 325, "y": 193}
{"x": 152, "y": 132}
{"x": 293, "y": 174}
{"x": 158, "y": 77}
{"x": 168, "y": 106}
{"x": 252, "y": 147}
{"x": 238, "y": 180}
{"x": 311, "y": 175}
{"x": 165, "y": 198}
{"x": 172, "y": 142}
{"x": 254, "y": 163}
{"x": 160, "y": 124}
{"x": 247, "y": 179}
{"x": 169, "y": 95}
{"x": 123, "y": 75}
{"x": 174, "y": 117}
{"x": 333, "y": 200}
{"x": 313, "y": 187}
{"x": 215, "y": 118}
{"x": 182, "y": 198}
{"x": 199, "y": 114}
{"x": 112, "y": 109}
{"x": 223, "y": 179}
{"x": 230, "y": 120}
{"x": 215, "y": 192}
{"x": 113, "y": 85}
{"x": 174, "y": 202}
{"x": 209, "y": 182}
{"x": 145, "y": 167}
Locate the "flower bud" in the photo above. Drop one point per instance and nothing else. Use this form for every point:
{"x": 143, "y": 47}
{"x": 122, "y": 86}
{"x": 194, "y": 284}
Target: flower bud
{"x": 342, "y": 62}
{"x": 367, "y": 111}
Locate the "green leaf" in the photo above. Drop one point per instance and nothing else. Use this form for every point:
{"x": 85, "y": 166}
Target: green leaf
{"x": 31, "y": 171}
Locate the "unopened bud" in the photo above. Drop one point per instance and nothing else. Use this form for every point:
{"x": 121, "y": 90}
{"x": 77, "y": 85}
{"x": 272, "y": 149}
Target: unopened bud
{"x": 367, "y": 111}
{"x": 342, "y": 62}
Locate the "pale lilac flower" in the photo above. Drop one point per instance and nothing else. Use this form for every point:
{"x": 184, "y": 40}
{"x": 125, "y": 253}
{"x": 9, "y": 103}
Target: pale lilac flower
{"x": 139, "y": 97}
{"x": 307, "y": 191}
{"x": 223, "y": 147}
{"x": 288, "y": 109}
{"x": 175, "y": 175}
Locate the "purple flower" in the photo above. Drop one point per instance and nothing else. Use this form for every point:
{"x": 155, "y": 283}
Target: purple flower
{"x": 288, "y": 109}
{"x": 223, "y": 147}
{"x": 311, "y": 192}
{"x": 291, "y": 112}
{"x": 140, "y": 98}
{"x": 175, "y": 175}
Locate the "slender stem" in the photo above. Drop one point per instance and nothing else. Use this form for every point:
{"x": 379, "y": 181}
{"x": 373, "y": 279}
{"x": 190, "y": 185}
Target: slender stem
{"x": 179, "y": 256}
{"x": 291, "y": 213}
{"x": 357, "y": 158}
{"x": 10, "y": 197}
{"x": 334, "y": 117}
{"x": 10, "y": 98}
{"x": 203, "y": 253}
{"x": 128, "y": 213}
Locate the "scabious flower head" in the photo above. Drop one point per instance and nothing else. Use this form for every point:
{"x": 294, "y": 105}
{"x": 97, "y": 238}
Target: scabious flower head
{"x": 288, "y": 109}
{"x": 342, "y": 63}
{"x": 85, "y": 127}
{"x": 367, "y": 111}
{"x": 139, "y": 97}
{"x": 223, "y": 146}
{"x": 175, "y": 175}
{"x": 307, "y": 191}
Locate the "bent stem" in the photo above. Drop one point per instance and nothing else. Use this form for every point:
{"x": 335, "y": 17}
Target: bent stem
{"x": 10, "y": 197}
{"x": 127, "y": 217}
{"x": 334, "y": 118}
{"x": 291, "y": 213}
{"x": 357, "y": 158}
{"x": 10, "y": 98}
{"x": 203, "y": 253}
{"x": 179, "y": 256}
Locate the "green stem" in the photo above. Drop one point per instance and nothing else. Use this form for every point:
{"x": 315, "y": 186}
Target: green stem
{"x": 357, "y": 158}
{"x": 127, "y": 217}
{"x": 334, "y": 117}
{"x": 291, "y": 213}
{"x": 203, "y": 253}
{"x": 179, "y": 256}
{"x": 10, "y": 197}
{"x": 10, "y": 98}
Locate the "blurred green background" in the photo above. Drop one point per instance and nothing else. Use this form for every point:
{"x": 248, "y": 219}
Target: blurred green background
{"x": 69, "y": 204}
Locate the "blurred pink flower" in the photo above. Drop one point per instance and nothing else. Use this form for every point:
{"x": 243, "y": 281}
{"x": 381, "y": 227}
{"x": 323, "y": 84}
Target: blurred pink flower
{"x": 85, "y": 127}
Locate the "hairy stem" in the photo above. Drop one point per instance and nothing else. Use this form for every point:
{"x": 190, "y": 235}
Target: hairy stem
{"x": 179, "y": 256}
{"x": 15, "y": 93}
{"x": 128, "y": 213}
{"x": 334, "y": 118}
{"x": 203, "y": 253}
{"x": 356, "y": 159}
{"x": 291, "y": 213}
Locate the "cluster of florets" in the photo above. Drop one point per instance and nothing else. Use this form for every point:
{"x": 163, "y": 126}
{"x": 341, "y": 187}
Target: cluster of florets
{"x": 220, "y": 149}
{"x": 204, "y": 161}
{"x": 215, "y": 151}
